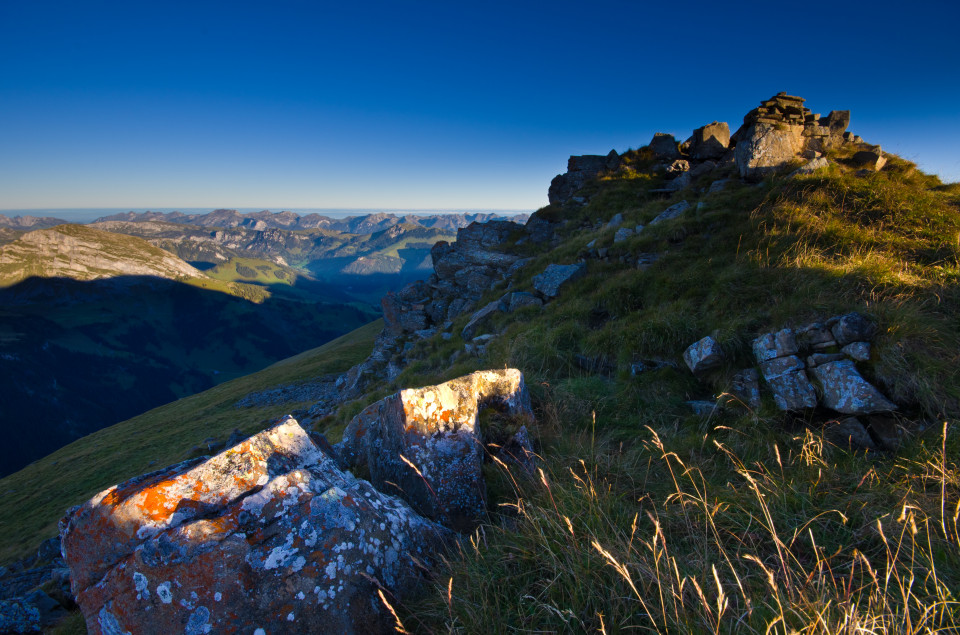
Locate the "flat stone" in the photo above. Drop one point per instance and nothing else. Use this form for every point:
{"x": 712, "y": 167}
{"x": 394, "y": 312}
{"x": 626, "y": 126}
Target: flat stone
{"x": 871, "y": 158}
{"x": 772, "y": 345}
{"x": 844, "y": 390}
{"x": 616, "y": 221}
{"x": 811, "y": 166}
{"x": 791, "y": 388}
{"x": 480, "y": 318}
{"x": 703, "y": 355}
{"x": 703, "y": 408}
{"x": 859, "y": 351}
{"x": 674, "y": 211}
{"x": 822, "y": 358}
{"x": 682, "y": 182}
{"x": 521, "y": 299}
{"x": 853, "y": 327}
{"x": 849, "y": 434}
{"x": 622, "y": 234}
{"x": 815, "y": 336}
{"x": 555, "y": 277}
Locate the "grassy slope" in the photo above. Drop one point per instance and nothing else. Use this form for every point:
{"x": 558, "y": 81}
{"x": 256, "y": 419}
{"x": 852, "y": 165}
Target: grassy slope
{"x": 36, "y": 497}
{"x": 650, "y": 517}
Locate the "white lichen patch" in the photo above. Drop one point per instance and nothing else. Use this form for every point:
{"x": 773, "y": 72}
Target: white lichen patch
{"x": 142, "y": 585}
{"x": 164, "y": 593}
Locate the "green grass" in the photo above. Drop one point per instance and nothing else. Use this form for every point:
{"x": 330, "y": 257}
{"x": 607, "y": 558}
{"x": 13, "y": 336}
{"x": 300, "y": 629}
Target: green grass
{"x": 650, "y": 518}
{"x": 36, "y": 497}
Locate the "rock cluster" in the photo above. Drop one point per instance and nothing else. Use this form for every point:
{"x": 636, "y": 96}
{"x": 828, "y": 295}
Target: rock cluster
{"x": 463, "y": 271}
{"x": 827, "y": 350}
{"x": 780, "y": 130}
{"x": 269, "y": 534}
{"x": 580, "y": 170}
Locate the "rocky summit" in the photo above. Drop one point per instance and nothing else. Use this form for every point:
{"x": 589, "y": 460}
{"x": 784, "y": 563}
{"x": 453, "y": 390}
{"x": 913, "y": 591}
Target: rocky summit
{"x": 697, "y": 348}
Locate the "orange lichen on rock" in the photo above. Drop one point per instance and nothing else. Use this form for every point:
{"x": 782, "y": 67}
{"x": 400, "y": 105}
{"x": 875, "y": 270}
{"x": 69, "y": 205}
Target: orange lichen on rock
{"x": 270, "y": 534}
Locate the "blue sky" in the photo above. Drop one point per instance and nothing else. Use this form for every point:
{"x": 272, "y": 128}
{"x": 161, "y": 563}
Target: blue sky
{"x": 430, "y": 104}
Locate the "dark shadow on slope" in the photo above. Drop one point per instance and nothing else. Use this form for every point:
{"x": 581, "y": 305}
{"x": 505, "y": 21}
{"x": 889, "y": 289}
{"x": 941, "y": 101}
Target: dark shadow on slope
{"x": 79, "y": 356}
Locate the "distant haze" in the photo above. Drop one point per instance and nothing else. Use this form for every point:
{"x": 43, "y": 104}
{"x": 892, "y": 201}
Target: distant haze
{"x": 88, "y": 215}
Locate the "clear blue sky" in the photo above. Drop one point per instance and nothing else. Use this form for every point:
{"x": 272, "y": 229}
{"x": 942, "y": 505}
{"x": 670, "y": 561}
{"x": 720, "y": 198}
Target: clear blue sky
{"x": 430, "y": 105}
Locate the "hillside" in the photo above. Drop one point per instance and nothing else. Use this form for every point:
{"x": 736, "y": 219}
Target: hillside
{"x": 84, "y": 253}
{"x": 96, "y": 327}
{"x": 668, "y": 500}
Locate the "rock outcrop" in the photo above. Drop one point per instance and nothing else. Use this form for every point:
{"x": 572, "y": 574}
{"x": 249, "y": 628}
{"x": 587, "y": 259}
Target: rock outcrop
{"x": 425, "y": 444}
{"x": 580, "y": 169}
{"x": 781, "y": 130}
{"x": 269, "y": 535}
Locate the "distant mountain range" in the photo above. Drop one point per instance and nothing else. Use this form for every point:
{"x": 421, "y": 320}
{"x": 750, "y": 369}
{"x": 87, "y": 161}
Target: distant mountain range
{"x": 362, "y": 224}
{"x": 102, "y": 321}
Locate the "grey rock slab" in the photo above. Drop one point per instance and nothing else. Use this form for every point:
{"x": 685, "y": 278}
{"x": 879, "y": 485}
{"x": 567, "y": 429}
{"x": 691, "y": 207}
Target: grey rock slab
{"x": 480, "y": 318}
{"x": 853, "y": 327}
{"x": 616, "y": 221}
{"x": 811, "y": 166}
{"x": 554, "y": 277}
{"x": 674, "y": 211}
{"x": 846, "y": 391}
{"x": 703, "y": 355}
{"x": 815, "y": 336}
{"x": 859, "y": 351}
{"x": 789, "y": 383}
{"x": 703, "y": 408}
{"x": 622, "y": 234}
{"x": 682, "y": 182}
{"x": 822, "y": 358}
{"x": 521, "y": 299}
{"x": 772, "y": 345}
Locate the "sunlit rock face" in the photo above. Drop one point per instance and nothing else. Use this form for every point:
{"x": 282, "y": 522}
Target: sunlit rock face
{"x": 269, "y": 534}
{"x": 425, "y": 443}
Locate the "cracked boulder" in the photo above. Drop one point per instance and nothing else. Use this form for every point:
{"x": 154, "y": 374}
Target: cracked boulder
{"x": 270, "y": 534}
{"x": 555, "y": 277}
{"x": 789, "y": 383}
{"x": 844, "y": 390}
{"x": 425, "y": 443}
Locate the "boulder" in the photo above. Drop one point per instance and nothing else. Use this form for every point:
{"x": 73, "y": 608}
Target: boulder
{"x": 622, "y": 234}
{"x": 674, "y": 211}
{"x": 765, "y": 147}
{"x": 710, "y": 141}
{"x": 554, "y": 277}
{"x": 772, "y": 345}
{"x": 703, "y": 355}
{"x": 815, "y": 336}
{"x": 480, "y": 319}
{"x": 849, "y": 434}
{"x": 580, "y": 170}
{"x": 791, "y": 388}
{"x": 852, "y": 327}
{"x": 664, "y": 146}
{"x": 521, "y": 299}
{"x": 811, "y": 166}
{"x": 886, "y": 431}
{"x": 269, "y": 534}
{"x": 823, "y": 358}
{"x": 424, "y": 443}
{"x": 859, "y": 351}
{"x": 682, "y": 182}
{"x": 871, "y": 158}
{"x": 844, "y": 390}
{"x": 616, "y": 221}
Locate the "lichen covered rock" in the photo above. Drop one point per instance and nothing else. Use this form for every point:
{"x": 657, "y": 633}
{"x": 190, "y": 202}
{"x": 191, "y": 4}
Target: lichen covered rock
{"x": 844, "y": 390}
{"x": 269, "y": 534}
{"x": 425, "y": 443}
